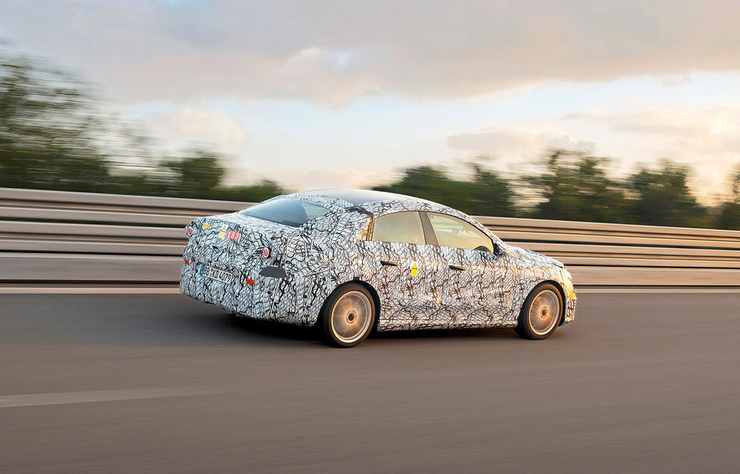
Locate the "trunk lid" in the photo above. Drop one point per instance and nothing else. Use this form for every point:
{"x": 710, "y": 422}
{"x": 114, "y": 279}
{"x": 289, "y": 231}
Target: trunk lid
{"x": 235, "y": 243}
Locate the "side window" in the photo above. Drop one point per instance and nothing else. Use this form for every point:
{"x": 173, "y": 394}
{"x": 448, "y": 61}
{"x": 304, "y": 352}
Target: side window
{"x": 456, "y": 233}
{"x": 399, "y": 227}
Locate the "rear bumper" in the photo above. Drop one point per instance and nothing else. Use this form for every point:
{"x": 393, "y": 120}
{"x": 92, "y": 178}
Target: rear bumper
{"x": 234, "y": 297}
{"x": 256, "y": 296}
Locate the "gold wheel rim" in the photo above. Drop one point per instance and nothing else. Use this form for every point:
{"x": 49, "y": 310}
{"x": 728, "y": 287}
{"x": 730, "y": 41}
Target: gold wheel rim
{"x": 351, "y": 316}
{"x": 544, "y": 312}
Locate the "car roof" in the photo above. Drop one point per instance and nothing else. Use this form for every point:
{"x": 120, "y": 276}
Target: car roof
{"x": 358, "y": 197}
{"x": 378, "y": 202}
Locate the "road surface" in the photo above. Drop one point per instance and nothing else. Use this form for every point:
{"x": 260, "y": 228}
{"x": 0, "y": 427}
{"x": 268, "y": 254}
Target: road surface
{"x": 153, "y": 384}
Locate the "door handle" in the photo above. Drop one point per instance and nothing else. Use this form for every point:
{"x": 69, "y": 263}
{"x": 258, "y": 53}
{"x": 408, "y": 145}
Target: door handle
{"x": 386, "y": 263}
{"x": 456, "y": 268}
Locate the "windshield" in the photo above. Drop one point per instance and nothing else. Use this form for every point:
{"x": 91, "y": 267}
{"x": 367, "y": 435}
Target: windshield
{"x": 286, "y": 211}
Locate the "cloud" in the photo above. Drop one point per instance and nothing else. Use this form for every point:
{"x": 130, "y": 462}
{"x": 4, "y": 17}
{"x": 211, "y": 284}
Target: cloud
{"x": 190, "y": 127}
{"x": 678, "y": 131}
{"x": 514, "y": 143}
{"x": 706, "y": 138}
{"x": 337, "y": 51}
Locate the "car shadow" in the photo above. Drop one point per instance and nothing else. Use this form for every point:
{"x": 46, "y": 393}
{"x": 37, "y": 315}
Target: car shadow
{"x": 268, "y": 329}
{"x": 475, "y": 333}
{"x": 276, "y": 331}
{"x": 171, "y": 321}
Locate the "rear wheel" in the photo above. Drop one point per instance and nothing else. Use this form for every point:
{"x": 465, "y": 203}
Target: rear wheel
{"x": 348, "y": 316}
{"x": 541, "y": 312}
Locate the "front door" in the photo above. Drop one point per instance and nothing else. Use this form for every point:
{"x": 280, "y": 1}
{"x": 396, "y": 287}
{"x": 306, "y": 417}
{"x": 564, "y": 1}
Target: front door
{"x": 474, "y": 285}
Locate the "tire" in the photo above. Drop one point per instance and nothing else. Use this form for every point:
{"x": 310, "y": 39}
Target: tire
{"x": 348, "y": 316}
{"x": 541, "y": 312}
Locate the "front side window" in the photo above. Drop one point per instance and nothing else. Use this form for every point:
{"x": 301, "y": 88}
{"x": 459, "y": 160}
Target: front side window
{"x": 402, "y": 227}
{"x": 286, "y": 211}
{"x": 456, "y": 233}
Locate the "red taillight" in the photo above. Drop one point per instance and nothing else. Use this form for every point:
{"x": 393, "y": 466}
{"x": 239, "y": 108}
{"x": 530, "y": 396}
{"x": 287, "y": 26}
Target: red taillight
{"x": 265, "y": 253}
{"x": 233, "y": 235}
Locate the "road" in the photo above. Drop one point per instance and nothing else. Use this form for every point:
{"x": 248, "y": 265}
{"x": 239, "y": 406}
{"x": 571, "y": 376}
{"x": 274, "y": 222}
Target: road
{"x": 153, "y": 384}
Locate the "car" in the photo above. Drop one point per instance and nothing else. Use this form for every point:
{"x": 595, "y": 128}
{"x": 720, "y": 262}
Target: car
{"x": 354, "y": 261}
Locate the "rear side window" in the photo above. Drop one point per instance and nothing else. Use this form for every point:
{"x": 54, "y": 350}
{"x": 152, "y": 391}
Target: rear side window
{"x": 286, "y": 211}
{"x": 456, "y": 233}
{"x": 404, "y": 227}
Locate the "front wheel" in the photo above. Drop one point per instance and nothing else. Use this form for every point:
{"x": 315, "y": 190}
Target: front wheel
{"x": 348, "y": 316}
{"x": 541, "y": 312}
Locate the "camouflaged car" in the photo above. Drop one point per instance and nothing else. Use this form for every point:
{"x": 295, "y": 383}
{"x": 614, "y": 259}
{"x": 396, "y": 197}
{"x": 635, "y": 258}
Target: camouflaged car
{"x": 353, "y": 262}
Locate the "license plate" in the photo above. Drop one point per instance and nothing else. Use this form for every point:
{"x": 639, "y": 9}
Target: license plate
{"x": 218, "y": 274}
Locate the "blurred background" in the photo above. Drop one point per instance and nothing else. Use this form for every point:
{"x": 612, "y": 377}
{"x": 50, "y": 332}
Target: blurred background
{"x": 491, "y": 109}
{"x": 621, "y": 111}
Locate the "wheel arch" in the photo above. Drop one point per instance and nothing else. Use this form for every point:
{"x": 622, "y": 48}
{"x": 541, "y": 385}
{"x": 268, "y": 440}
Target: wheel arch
{"x": 376, "y": 299}
{"x": 364, "y": 284}
{"x": 563, "y": 299}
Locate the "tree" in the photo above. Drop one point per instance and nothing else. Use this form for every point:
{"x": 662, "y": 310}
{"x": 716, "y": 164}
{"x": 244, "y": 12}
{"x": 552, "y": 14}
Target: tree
{"x": 729, "y": 213}
{"x": 426, "y": 182}
{"x": 265, "y": 189}
{"x": 195, "y": 176}
{"x": 52, "y": 136}
{"x": 47, "y": 127}
{"x": 662, "y": 197}
{"x": 489, "y": 194}
{"x": 486, "y": 194}
{"x": 574, "y": 186}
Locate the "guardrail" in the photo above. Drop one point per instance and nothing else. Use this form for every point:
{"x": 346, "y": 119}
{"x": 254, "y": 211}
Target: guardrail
{"x": 52, "y": 239}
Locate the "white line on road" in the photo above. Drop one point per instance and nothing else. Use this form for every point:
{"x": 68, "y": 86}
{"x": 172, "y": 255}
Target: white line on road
{"x": 95, "y": 396}
{"x": 82, "y": 290}
{"x": 648, "y": 290}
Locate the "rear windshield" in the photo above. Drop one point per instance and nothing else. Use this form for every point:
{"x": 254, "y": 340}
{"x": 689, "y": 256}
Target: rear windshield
{"x": 286, "y": 211}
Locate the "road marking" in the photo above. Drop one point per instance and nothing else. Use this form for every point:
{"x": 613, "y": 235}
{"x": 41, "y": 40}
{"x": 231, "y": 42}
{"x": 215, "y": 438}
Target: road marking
{"x": 70, "y": 290}
{"x": 96, "y": 396}
{"x": 648, "y": 290}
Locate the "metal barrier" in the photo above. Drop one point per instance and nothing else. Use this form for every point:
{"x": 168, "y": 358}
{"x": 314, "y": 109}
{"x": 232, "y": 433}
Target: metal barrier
{"x": 52, "y": 239}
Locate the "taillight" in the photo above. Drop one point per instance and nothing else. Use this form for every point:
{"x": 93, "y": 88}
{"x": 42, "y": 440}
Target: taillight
{"x": 233, "y": 235}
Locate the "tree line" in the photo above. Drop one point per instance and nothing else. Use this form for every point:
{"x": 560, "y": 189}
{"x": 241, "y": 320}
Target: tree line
{"x": 577, "y": 186}
{"x": 54, "y": 136}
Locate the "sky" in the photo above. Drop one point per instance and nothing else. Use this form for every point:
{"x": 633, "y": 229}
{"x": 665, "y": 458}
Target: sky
{"x": 320, "y": 94}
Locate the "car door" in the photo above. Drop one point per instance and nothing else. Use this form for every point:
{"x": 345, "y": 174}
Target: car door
{"x": 472, "y": 294}
{"x": 400, "y": 259}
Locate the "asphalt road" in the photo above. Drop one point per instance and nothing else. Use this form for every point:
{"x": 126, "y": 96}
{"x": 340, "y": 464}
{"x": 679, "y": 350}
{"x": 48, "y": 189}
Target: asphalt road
{"x": 639, "y": 383}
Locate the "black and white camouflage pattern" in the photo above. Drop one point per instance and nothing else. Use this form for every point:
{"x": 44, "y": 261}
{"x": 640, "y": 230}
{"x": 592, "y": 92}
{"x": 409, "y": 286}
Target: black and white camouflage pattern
{"x": 421, "y": 292}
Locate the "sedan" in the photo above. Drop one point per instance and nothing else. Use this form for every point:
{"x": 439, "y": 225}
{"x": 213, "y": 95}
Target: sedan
{"x": 354, "y": 262}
